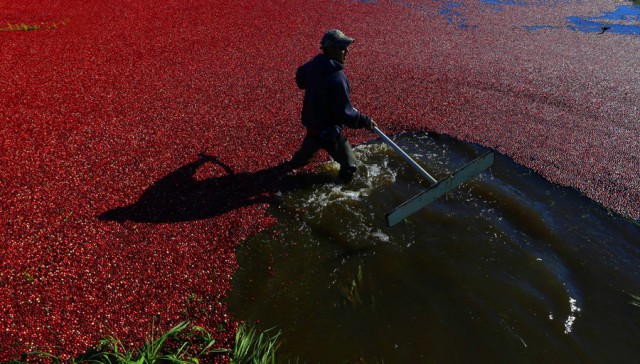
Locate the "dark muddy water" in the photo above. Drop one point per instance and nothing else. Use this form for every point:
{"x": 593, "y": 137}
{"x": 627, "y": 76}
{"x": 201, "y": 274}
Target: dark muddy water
{"x": 507, "y": 268}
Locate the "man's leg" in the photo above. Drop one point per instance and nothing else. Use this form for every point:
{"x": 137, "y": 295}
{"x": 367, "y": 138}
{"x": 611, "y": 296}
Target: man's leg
{"x": 342, "y": 153}
{"x": 308, "y": 149}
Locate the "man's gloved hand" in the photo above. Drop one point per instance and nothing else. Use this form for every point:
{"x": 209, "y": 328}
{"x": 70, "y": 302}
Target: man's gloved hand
{"x": 369, "y": 124}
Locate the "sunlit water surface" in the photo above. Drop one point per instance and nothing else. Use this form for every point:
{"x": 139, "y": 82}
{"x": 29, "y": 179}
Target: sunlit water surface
{"x": 506, "y": 268}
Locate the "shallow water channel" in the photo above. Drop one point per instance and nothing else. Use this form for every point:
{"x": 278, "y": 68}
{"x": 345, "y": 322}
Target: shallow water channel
{"x": 506, "y": 268}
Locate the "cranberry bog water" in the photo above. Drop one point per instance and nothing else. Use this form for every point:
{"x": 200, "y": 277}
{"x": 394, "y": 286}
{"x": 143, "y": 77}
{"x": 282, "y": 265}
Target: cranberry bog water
{"x": 141, "y": 145}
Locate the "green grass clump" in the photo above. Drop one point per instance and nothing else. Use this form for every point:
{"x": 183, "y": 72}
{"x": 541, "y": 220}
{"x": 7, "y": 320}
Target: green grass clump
{"x": 24, "y": 27}
{"x": 20, "y": 27}
{"x": 183, "y": 344}
{"x": 254, "y": 347}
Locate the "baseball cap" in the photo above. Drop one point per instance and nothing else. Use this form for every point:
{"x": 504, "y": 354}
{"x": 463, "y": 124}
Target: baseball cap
{"x": 334, "y": 37}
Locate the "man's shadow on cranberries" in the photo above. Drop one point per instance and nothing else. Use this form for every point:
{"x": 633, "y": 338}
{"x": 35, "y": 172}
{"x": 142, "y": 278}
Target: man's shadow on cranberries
{"x": 179, "y": 197}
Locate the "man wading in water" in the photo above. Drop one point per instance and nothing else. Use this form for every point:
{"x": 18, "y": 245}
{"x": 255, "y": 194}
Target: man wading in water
{"x": 327, "y": 107}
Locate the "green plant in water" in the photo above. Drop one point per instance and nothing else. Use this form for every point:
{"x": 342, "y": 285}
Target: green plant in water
{"x": 182, "y": 344}
{"x": 254, "y": 347}
{"x": 178, "y": 345}
{"x": 352, "y": 291}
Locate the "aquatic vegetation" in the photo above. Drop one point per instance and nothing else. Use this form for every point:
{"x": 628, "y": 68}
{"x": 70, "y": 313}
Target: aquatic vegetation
{"x": 16, "y": 27}
{"x": 183, "y": 344}
{"x": 255, "y": 347}
{"x": 351, "y": 290}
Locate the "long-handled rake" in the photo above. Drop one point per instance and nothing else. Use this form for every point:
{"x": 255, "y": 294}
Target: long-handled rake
{"x": 438, "y": 188}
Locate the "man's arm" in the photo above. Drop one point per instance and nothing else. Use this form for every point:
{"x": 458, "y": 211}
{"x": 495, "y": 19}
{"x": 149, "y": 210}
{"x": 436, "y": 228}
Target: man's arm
{"x": 301, "y": 76}
{"x": 341, "y": 108}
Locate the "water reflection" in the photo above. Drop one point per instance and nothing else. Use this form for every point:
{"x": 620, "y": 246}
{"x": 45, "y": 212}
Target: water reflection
{"x": 506, "y": 268}
{"x": 624, "y": 20}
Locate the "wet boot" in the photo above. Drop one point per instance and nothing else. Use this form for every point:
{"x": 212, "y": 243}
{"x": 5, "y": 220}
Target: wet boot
{"x": 346, "y": 174}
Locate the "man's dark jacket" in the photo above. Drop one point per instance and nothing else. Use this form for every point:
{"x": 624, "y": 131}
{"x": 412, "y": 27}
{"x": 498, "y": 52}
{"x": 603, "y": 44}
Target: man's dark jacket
{"x": 326, "y": 98}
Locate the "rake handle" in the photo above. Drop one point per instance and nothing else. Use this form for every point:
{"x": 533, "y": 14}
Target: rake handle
{"x": 404, "y": 155}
